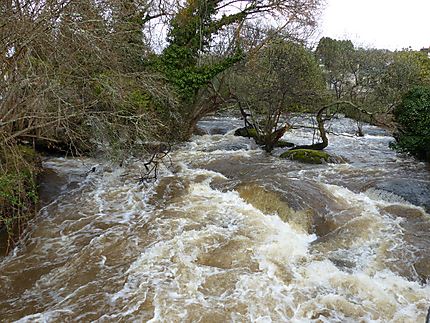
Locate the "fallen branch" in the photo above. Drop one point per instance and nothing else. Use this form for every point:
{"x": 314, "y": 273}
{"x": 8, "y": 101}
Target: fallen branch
{"x": 151, "y": 166}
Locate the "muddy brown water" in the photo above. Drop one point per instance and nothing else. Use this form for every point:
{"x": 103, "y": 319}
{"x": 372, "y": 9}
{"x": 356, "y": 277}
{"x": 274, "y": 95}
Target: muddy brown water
{"x": 226, "y": 234}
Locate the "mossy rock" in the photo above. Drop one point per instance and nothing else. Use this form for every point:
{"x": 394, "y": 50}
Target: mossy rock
{"x": 246, "y": 132}
{"x": 309, "y": 156}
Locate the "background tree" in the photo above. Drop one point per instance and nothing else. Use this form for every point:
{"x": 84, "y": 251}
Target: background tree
{"x": 373, "y": 79}
{"x": 372, "y": 82}
{"x": 406, "y": 70}
{"x": 337, "y": 57}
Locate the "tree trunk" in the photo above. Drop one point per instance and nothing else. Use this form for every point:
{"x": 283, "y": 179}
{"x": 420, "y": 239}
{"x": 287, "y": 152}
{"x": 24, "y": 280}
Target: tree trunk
{"x": 272, "y": 139}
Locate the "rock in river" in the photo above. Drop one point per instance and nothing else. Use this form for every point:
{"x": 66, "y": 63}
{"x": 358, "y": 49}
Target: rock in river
{"x": 414, "y": 191}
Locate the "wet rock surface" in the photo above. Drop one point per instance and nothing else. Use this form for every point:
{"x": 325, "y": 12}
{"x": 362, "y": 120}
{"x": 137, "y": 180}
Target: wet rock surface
{"x": 414, "y": 191}
{"x": 227, "y": 147}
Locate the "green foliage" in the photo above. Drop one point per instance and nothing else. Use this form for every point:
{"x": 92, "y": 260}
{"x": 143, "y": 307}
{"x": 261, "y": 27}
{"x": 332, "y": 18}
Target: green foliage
{"x": 283, "y": 77}
{"x": 19, "y": 166}
{"x": 140, "y": 99}
{"x": 336, "y": 56}
{"x": 413, "y": 117}
{"x": 191, "y": 31}
{"x": 192, "y": 28}
{"x": 375, "y": 80}
{"x": 15, "y": 186}
{"x": 186, "y": 75}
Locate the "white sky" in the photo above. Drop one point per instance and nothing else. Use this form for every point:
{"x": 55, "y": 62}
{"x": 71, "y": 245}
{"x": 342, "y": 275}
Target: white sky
{"x": 390, "y": 24}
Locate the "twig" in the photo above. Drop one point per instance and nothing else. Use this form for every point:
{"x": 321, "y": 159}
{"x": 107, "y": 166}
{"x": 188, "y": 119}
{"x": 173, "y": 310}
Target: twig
{"x": 152, "y": 165}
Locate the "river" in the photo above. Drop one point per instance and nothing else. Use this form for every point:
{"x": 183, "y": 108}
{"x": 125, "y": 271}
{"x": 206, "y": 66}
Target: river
{"x": 228, "y": 233}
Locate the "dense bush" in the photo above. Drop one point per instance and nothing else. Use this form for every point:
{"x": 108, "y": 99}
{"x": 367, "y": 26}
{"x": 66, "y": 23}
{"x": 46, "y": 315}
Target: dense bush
{"x": 413, "y": 118}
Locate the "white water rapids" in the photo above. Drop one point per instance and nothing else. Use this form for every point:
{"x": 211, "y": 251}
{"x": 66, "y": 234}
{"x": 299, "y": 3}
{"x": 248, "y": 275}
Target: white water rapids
{"x": 227, "y": 234}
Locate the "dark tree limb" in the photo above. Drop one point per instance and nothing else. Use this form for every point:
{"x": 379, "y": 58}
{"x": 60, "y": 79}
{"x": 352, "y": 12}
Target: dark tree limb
{"x": 152, "y": 165}
{"x": 245, "y": 116}
{"x": 320, "y": 124}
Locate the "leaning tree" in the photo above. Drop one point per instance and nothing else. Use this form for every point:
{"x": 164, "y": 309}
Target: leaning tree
{"x": 197, "y": 29}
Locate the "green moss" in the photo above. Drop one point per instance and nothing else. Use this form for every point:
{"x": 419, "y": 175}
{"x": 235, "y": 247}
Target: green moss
{"x": 246, "y": 132}
{"x": 252, "y": 133}
{"x": 308, "y": 156}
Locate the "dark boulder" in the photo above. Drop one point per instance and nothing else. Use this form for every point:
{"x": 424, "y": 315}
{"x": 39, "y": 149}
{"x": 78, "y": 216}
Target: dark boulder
{"x": 246, "y": 132}
{"x": 414, "y": 191}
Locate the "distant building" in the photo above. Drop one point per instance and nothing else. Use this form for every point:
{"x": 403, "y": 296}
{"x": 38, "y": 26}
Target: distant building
{"x": 426, "y": 50}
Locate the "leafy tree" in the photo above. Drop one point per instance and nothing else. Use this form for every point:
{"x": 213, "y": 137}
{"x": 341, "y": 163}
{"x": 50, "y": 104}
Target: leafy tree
{"x": 354, "y": 74}
{"x": 406, "y": 70}
{"x": 413, "y": 118}
{"x": 283, "y": 77}
{"x": 373, "y": 79}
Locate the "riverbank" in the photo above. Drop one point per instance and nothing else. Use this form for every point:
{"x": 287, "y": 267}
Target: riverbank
{"x": 20, "y": 166}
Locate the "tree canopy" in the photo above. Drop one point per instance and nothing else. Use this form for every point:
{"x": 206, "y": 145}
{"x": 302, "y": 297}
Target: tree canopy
{"x": 283, "y": 77}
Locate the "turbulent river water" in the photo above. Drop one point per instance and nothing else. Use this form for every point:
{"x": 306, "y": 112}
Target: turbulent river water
{"x": 228, "y": 233}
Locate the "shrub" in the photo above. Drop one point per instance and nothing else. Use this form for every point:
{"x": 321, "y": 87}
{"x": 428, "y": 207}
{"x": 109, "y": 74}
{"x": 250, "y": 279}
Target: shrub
{"x": 413, "y": 118}
{"x": 19, "y": 166}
